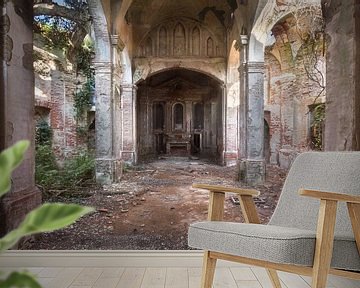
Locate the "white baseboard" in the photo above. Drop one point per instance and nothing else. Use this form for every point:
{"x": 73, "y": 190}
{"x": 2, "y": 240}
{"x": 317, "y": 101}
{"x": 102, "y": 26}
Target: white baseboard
{"x": 113, "y": 258}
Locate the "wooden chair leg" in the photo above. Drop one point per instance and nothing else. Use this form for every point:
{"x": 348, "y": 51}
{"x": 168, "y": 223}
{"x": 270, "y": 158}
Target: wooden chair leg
{"x": 324, "y": 243}
{"x": 274, "y": 278}
{"x": 208, "y": 271}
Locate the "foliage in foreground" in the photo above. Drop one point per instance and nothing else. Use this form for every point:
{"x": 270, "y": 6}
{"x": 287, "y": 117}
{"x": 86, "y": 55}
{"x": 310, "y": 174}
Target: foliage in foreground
{"x": 46, "y": 218}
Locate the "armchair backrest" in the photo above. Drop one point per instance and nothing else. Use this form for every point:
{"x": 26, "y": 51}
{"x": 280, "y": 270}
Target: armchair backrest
{"x": 325, "y": 171}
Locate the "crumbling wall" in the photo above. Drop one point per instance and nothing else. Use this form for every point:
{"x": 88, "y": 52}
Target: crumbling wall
{"x": 56, "y": 83}
{"x": 17, "y": 102}
{"x": 290, "y": 90}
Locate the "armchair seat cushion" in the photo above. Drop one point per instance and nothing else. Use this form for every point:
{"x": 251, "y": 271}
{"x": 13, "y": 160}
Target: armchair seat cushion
{"x": 270, "y": 243}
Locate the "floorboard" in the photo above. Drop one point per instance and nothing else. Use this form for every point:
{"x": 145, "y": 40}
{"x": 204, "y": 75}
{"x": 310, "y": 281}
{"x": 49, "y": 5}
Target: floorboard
{"x": 168, "y": 270}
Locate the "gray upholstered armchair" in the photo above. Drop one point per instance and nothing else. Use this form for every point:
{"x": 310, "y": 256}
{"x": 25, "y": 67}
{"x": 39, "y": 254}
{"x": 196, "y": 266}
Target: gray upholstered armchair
{"x": 315, "y": 229}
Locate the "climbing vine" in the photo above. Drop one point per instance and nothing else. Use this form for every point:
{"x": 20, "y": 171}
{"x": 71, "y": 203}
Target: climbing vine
{"x": 84, "y": 97}
{"x": 43, "y": 133}
{"x": 317, "y": 126}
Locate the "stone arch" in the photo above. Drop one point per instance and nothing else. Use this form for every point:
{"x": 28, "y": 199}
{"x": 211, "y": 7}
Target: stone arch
{"x": 210, "y": 49}
{"x": 267, "y": 15}
{"x": 179, "y": 38}
{"x": 163, "y": 40}
{"x": 149, "y": 47}
{"x": 178, "y": 118}
{"x": 158, "y": 70}
{"x": 233, "y": 63}
{"x": 101, "y": 31}
{"x": 195, "y": 41}
{"x": 179, "y": 90}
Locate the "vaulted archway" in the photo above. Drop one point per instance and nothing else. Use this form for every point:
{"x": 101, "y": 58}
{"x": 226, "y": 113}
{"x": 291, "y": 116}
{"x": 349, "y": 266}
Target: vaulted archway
{"x": 179, "y": 113}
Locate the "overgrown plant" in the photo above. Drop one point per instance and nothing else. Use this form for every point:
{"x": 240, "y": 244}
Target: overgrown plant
{"x": 318, "y": 118}
{"x": 46, "y": 218}
{"x": 83, "y": 97}
{"x": 43, "y": 133}
{"x": 56, "y": 31}
{"x": 75, "y": 171}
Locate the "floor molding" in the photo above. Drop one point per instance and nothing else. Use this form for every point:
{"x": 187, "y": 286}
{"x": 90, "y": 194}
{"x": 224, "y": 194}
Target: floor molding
{"x": 113, "y": 258}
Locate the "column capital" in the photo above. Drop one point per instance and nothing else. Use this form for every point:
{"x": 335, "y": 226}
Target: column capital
{"x": 117, "y": 42}
{"x": 256, "y": 67}
{"x": 242, "y": 42}
{"x": 128, "y": 87}
{"x": 103, "y": 67}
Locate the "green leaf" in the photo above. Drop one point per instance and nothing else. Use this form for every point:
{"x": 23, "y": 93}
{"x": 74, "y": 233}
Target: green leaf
{"x": 47, "y": 218}
{"x": 19, "y": 280}
{"x": 9, "y": 160}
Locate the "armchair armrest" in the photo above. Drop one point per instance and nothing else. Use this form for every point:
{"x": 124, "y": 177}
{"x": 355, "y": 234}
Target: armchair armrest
{"x": 217, "y": 198}
{"x": 224, "y": 189}
{"x": 329, "y": 199}
{"x": 322, "y": 195}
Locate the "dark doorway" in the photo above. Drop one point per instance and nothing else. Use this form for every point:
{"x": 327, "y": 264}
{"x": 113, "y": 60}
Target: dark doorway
{"x": 267, "y": 148}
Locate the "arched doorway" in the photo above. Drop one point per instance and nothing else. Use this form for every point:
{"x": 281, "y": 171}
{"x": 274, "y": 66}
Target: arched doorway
{"x": 179, "y": 113}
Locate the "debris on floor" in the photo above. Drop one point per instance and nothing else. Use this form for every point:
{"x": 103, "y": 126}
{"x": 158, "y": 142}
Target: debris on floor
{"x": 153, "y": 205}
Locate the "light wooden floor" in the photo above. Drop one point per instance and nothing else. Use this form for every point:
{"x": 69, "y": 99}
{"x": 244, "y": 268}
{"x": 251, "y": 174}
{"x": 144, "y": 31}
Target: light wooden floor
{"x": 160, "y": 271}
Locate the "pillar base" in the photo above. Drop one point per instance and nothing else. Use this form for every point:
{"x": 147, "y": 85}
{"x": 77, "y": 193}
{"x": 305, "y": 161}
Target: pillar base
{"x": 230, "y": 158}
{"x": 108, "y": 171}
{"x": 252, "y": 172}
{"x": 14, "y": 206}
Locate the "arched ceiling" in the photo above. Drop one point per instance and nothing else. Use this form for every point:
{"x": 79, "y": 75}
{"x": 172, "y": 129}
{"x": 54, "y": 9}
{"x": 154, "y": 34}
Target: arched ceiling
{"x": 182, "y": 75}
{"x": 144, "y": 15}
{"x": 152, "y": 12}
{"x": 132, "y": 19}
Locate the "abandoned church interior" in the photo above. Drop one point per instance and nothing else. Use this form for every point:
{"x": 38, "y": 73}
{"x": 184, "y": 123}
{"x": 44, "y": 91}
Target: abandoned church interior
{"x": 242, "y": 83}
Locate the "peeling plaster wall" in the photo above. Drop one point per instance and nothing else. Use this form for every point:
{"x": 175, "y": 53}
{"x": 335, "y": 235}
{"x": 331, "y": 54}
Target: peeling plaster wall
{"x": 289, "y": 94}
{"x": 16, "y": 55}
{"x": 343, "y": 77}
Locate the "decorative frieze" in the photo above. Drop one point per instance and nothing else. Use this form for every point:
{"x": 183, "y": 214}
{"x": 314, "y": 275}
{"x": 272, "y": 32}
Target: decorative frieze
{"x": 181, "y": 37}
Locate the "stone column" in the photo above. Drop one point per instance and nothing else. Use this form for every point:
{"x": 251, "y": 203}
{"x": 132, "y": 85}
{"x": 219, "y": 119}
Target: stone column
{"x": 129, "y": 149}
{"x": 188, "y": 114}
{"x": 106, "y": 167}
{"x": 243, "y": 105}
{"x": 216, "y": 121}
{"x": 17, "y": 108}
{"x": 342, "y": 122}
{"x": 117, "y": 74}
{"x": 252, "y": 162}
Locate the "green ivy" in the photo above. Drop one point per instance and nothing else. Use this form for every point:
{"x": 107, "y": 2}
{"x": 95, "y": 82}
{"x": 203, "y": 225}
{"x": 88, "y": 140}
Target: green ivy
{"x": 84, "y": 57}
{"x": 83, "y": 98}
{"x": 43, "y": 133}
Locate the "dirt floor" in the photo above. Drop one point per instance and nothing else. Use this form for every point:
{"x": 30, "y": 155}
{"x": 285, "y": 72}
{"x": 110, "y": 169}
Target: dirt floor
{"x": 153, "y": 206}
